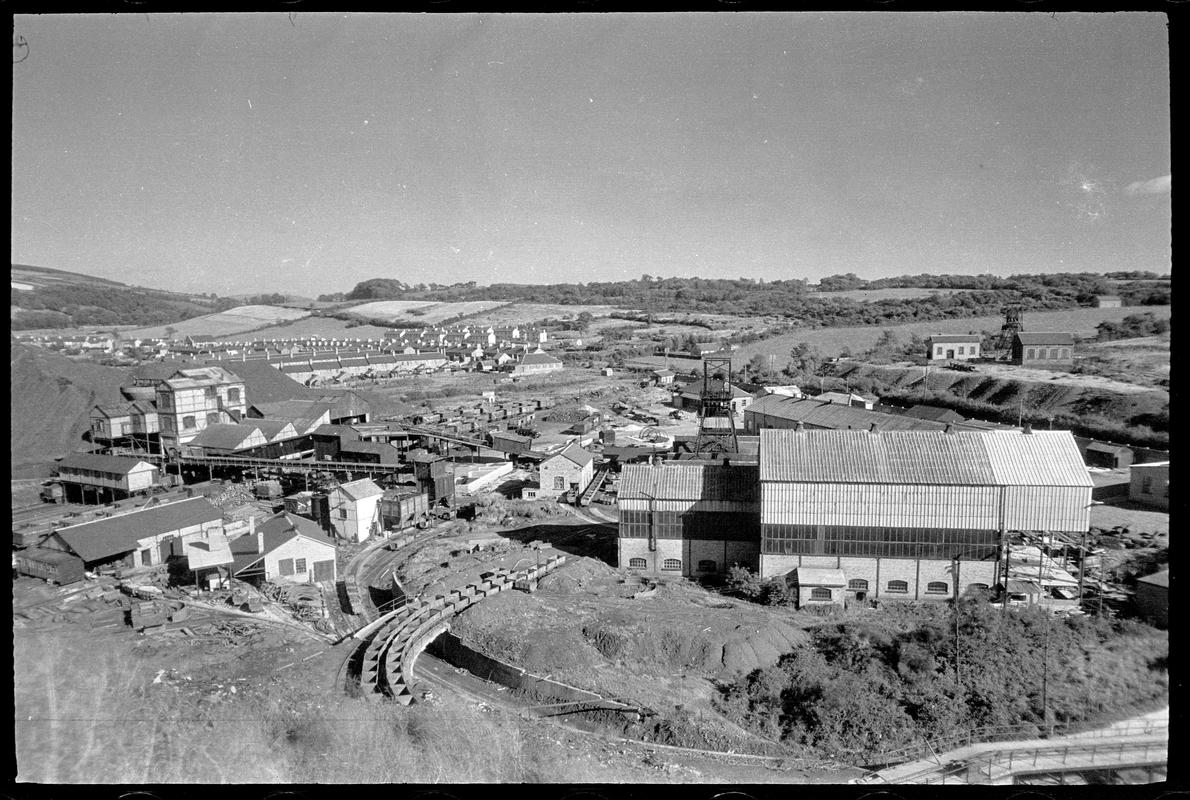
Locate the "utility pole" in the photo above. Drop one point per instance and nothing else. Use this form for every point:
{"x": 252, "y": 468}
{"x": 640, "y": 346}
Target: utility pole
{"x": 957, "y": 676}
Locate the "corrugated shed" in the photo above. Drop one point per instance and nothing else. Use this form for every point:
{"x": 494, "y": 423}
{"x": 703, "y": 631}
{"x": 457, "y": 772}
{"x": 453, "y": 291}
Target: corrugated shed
{"x": 862, "y": 457}
{"x": 1041, "y": 458}
{"x": 691, "y": 482}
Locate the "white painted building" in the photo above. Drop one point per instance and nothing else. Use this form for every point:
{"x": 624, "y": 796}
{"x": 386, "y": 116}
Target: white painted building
{"x": 571, "y": 469}
{"x": 285, "y": 548}
{"x": 355, "y": 509}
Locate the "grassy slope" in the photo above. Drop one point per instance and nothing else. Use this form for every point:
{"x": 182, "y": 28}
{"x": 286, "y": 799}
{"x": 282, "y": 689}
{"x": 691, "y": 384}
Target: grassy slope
{"x": 831, "y": 341}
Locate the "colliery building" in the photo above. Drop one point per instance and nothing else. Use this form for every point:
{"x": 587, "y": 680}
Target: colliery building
{"x": 903, "y": 514}
{"x": 689, "y": 518}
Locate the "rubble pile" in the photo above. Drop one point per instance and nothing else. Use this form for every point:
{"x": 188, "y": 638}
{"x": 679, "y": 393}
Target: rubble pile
{"x": 236, "y": 494}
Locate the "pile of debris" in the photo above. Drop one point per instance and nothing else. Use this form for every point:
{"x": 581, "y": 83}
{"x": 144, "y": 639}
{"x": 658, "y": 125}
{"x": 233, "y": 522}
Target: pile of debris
{"x": 571, "y": 413}
{"x": 304, "y": 600}
{"x": 236, "y": 494}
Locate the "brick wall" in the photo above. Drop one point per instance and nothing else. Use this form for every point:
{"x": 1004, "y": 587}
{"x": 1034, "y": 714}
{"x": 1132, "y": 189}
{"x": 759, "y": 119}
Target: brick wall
{"x": 916, "y": 573}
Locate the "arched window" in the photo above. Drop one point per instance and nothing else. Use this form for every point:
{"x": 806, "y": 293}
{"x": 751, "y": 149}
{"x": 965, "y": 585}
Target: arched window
{"x": 637, "y": 563}
{"x": 820, "y": 593}
{"x": 706, "y": 566}
{"x": 898, "y": 587}
{"x": 857, "y": 585}
{"x": 671, "y": 563}
{"x": 937, "y": 587}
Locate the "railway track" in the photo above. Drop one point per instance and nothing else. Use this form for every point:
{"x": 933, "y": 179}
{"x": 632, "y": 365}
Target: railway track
{"x": 384, "y": 668}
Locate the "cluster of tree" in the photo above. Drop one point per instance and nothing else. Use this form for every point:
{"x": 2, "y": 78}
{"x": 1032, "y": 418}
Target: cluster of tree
{"x": 69, "y": 305}
{"x": 266, "y": 300}
{"x": 791, "y": 299}
{"x": 932, "y": 671}
{"x": 1132, "y": 326}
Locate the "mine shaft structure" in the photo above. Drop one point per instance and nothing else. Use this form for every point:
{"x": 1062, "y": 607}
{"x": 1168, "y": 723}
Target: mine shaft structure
{"x": 1013, "y": 324}
{"x": 716, "y": 426}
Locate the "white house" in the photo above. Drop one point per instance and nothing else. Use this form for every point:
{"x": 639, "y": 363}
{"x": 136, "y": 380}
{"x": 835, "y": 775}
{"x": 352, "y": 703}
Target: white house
{"x": 355, "y": 509}
{"x": 285, "y": 548}
{"x": 572, "y": 468}
{"x": 536, "y": 361}
{"x": 953, "y": 346}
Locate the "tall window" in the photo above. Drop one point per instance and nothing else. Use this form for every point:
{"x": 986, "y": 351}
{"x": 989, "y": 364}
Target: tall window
{"x": 637, "y": 563}
{"x": 959, "y": 350}
{"x": 1030, "y": 353}
{"x": 898, "y": 587}
{"x": 820, "y": 593}
{"x": 233, "y": 395}
{"x": 937, "y": 587}
{"x": 299, "y": 565}
{"x": 559, "y": 482}
{"x": 671, "y": 563}
{"x": 938, "y": 351}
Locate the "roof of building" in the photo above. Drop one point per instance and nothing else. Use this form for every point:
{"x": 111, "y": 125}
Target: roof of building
{"x": 935, "y": 413}
{"x": 836, "y": 415}
{"x": 361, "y": 489}
{"x": 1046, "y": 337}
{"x": 354, "y": 446}
{"x": 1151, "y": 464}
{"x": 510, "y": 436}
{"x": 110, "y": 536}
{"x": 274, "y": 532}
{"x": 845, "y": 398}
{"x": 1104, "y": 447}
{"x": 994, "y": 458}
{"x": 101, "y": 463}
{"x": 1156, "y": 579}
{"x": 818, "y": 576}
{"x": 276, "y": 430}
{"x": 538, "y": 358}
{"x": 214, "y": 551}
{"x": 677, "y": 480}
{"x": 226, "y": 435}
{"x": 201, "y": 377}
{"x": 263, "y": 382}
{"x": 343, "y": 432}
{"x": 664, "y": 373}
{"x": 955, "y": 337}
{"x": 576, "y": 454}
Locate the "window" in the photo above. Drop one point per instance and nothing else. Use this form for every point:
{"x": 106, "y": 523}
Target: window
{"x": 637, "y": 563}
{"x": 898, "y": 587}
{"x": 1030, "y": 353}
{"x": 706, "y": 566}
{"x": 146, "y": 558}
{"x": 1146, "y": 484}
{"x": 285, "y": 566}
{"x": 937, "y": 587}
{"x": 938, "y": 351}
{"x": 1053, "y": 352}
{"x": 342, "y": 513}
{"x": 209, "y": 391}
{"x": 299, "y": 566}
{"x": 187, "y": 422}
{"x": 820, "y": 593}
{"x": 857, "y": 585}
{"x": 960, "y": 350}
{"x": 167, "y": 423}
{"x": 233, "y": 395}
{"x": 213, "y": 418}
{"x": 559, "y": 482}
{"x": 671, "y": 563}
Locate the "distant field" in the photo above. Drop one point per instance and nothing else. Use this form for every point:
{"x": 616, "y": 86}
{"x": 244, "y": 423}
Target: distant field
{"x": 234, "y": 320}
{"x": 522, "y": 313}
{"x": 869, "y": 295}
{"x": 434, "y": 312}
{"x": 326, "y": 327}
{"x": 831, "y": 341}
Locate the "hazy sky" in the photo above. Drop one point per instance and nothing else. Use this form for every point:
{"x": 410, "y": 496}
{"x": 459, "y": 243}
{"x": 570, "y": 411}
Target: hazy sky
{"x": 235, "y": 153}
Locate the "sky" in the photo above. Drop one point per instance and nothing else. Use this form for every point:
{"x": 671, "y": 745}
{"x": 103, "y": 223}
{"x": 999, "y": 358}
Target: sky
{"x": 304, "y": 153}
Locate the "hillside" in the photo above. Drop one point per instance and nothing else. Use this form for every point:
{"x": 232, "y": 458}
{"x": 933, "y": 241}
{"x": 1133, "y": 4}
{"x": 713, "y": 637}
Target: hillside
{"x": 47, "y": 298}
{"x": 224, "y": 323}
{"x": 50, "y": 405}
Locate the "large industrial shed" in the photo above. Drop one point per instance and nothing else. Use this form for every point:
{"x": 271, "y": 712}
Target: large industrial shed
{"x": 688, "y": 518}
{"x": 913, "y": 514}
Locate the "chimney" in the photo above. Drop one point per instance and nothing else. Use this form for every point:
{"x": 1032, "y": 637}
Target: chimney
{"x": 873, "y": 428}
{"x": 948, "y": 429}
{"x": 258, "y": 534}
{"x": 799, "y": 427}
{"x": 1028, "y": 428}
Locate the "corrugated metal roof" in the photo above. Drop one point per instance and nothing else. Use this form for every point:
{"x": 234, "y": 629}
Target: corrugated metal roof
{"x": 361, "y": 489}
{"x": 1041, "y": 458}
{"x": 101, "y": 463}
{"x": 995, "y": 458}
{"x": 687, "y": 481}
{"x": 924, "y": 457}
{"x": 835, "y": 415}
{"x": 103, "y": 538}
{"x": 227, "y": 435}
